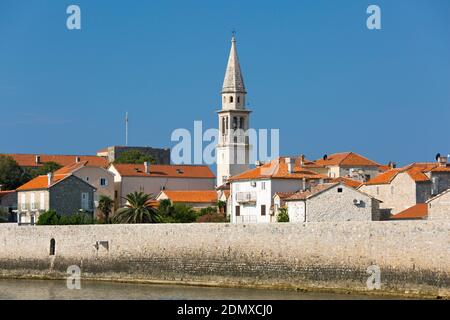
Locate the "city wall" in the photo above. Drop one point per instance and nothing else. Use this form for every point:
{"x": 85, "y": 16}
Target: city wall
{"x": 413, "y": 256}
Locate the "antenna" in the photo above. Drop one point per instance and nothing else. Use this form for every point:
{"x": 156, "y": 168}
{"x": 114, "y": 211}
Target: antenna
{"x": 126, "y": 129}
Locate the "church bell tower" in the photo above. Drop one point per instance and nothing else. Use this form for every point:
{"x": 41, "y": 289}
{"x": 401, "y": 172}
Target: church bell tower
{"x": 233, "y": 146}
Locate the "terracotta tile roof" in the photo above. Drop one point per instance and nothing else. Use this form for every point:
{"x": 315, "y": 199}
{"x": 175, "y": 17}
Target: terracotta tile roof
{"x": 71, "y": 168}
{"x": 29, "y": 160}
{"x": 303, "y": 195}
{"x": 417, "y": 171}
{"x": 5, "y": 193}
{"x": 41, "y": 182}
{"x": 418, "y": 211}
{"x": 384, "y": 178}
{"x": 348, "y": 182}
{"x": 284, "y": 195}
{"x": 170, "y": 171}
{"x": 190, "y": 196}
{"x": 278, "y": 169}
{"x": 346, "y": 159}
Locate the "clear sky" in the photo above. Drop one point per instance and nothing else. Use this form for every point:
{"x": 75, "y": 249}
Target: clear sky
{"x": 311, "y": 68}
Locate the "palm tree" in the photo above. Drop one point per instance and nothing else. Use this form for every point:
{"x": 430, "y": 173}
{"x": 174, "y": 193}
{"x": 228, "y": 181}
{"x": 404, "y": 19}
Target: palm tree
{"x": 105, "y": 205}
{"x": 137, "y": 210}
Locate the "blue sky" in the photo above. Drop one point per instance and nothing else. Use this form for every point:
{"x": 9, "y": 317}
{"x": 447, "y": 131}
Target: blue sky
{"x": 312, "y": 69}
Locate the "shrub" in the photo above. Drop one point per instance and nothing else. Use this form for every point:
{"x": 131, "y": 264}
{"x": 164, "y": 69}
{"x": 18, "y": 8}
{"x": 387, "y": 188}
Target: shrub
{"x": 283, "y": 215}
{"x": 48, "y": 218}
{"x": 179, "y": 213}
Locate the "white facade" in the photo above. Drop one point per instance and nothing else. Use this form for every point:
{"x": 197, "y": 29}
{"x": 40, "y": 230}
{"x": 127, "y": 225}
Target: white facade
{"x": 251, "y": 200}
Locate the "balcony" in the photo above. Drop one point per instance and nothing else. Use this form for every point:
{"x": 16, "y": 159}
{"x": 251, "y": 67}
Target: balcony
{"x": 246, "y": 197}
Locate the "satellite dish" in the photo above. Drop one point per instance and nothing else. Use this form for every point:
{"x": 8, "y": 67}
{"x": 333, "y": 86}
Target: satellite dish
{"x": 325, "y": 157}
{"x": 438, "y": 156}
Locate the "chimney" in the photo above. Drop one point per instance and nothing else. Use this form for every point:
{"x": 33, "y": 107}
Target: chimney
{"x": 290, "y": 164}
{"x": 147, "y": 167}
{"x": 443, "y": 161}
{"x": 392, "y": 165}
{"x": 304, "y": 184}
{"x": 302, "y": 159}
{"x": 38, "y": 159}
{"x": 77, "y": 159}
{"x": 49, "y": 178}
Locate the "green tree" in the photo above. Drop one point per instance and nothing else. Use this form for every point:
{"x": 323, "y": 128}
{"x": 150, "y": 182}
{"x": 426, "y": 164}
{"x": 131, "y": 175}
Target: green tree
{"x": 222, "y": 205}
{"x": 105, "y": 204}
{"x": 48, "y": 218}
{"x": 48, "y": 167}
{"x": 137, "y": 210}
{"x": 283, "y": 215}
{"x": 11, "y": 175}
{"x": 134, "y": 157}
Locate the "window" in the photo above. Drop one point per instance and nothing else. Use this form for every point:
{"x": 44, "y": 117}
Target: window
{"x": 239, "y": 99}
{"x": 378, "y": 190}
{"x": 263, "y": 185}
{"x": 32, "y": 201}
{"x": 103, "y": 182}
{"x": 235, "y": 123}
{"x": 241, "y": 123}
{"x": 23, "y": 201}
{"x": 52, "y": 247}
{"x": 42, "y": 201}
{"x": 238, "y": 211}
{"x": 263, "y": 210}
{"x": 231, "y": 99}
{"x": 339, "y": 190}
{"x": 87, "y": 178}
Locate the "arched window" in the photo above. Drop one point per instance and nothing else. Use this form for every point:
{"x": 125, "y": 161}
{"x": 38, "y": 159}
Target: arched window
{"x": 241, "y": 123}
{"x": 52, "y": 247}
{"x": 231, "y": 99}
{"x": 239, "y": 99}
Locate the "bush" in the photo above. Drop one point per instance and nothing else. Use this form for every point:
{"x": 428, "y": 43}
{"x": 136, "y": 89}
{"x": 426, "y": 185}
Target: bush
{"x": 48, "y": 218}
{"x": 283, "y": 215}
{"x": 178, "y": 213}
{"x": 51, "y": 218}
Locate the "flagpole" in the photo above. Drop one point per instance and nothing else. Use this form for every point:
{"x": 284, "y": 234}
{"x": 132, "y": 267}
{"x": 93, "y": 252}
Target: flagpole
{"x": 126, "y": 129}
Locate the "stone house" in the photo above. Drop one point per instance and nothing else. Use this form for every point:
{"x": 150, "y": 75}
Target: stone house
{"x": 8, "y": 203}
{"x": 197, "y": 199}
{"x": 252, "y": 192}
{"x": 348, "y": 164}
{"x": 332, "y": 202}
{"x": 439, "y": 206}
{"x": 152, "y": 179}
{"x": 402, "y": 188}
{"x": 64, "y": 193}
{"x": 98, "y": 177}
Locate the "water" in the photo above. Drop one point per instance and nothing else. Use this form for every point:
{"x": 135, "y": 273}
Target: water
{"x": 57, "y": 290}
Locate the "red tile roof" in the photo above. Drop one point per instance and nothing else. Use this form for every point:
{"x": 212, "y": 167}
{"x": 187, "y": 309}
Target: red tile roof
{"x": 417, "y": 171}
{"x": 347, "y": 159}
{"x": 278, "y": 169}
{"x": 303, "y": 195}
{"x": 41, "y": 182}
{"x": 5, "y": 193}
{"x": 170, "y": 171}
{"x": 418, "y": 211}
{"x": 190, "y": 196}
{"x": 71, "y": 168}
{"x": 29, "y": 160}
{"x": 348, "y": 182}
{"x": 284, "y": 195}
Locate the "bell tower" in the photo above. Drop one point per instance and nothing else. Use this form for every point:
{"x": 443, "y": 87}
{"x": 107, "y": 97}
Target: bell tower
{"x": 233, "y": 145}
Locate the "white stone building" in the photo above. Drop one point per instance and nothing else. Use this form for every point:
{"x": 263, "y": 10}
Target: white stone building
{"x": 439, "y": 206}
{"x": 232, "y": 150}
{"x": 331, "y": 202}
{"x": 403, "y": 188}
{"x": 252, "y": 191}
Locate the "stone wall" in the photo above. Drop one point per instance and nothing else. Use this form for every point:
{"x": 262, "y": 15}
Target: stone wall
{"x": 413, "y": 255}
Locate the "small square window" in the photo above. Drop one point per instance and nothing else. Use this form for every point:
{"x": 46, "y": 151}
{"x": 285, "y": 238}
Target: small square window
{"x": 339, "y": 190}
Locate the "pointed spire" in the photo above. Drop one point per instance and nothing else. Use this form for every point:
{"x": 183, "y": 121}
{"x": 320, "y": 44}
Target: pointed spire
{"x": 233, "y": 81}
